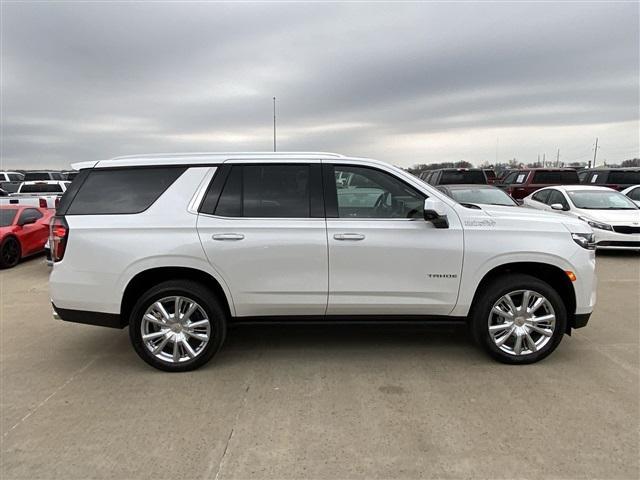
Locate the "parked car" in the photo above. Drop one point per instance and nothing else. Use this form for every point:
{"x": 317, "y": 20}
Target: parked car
{"x": 11, "y": 177}
{"x": 523, "y": 182}
{"x": 178, "y": 247}
{"x": 43, "y": 175}
{"x": 478, "y": 194}
{"x": 615, "y": 219}
{"x": 449, "y": 176}
{"x": 424, "y": 175}
{"x": 10, "y": 187}
{"x": 616, "y": 178}
{"x": 69, "y": 174}
{"x": 491, "y": 175}
{"x": 23, "y": 232}
{"x": 633, "y": 192}
{"x": 43, "y": 194}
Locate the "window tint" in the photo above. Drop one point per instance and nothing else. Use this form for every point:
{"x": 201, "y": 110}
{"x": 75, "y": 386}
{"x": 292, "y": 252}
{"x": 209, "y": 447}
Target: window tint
{"x": 371, "y": 193}
{"x": 30, "y": 213}
{"x": 515, "y": 177}
{"x": 15, "y": 177}
{"x": 41, "y": 188}
{"x": 271, "y": 191}
{"x": 7, "y": 215}
{"x": 555, "y": 177}
{"x": 121, "y": 191}
{"x": 634, "y": 194}
{"x": 624, "y": 177}
{"x": 541, "y": 196}
{"x": 557, "y": 197}
{"x": 462, "y": 176}
{"x": 37, "y": 176}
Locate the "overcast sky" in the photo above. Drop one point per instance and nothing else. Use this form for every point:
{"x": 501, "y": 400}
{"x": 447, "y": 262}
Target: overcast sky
{"x": 410, "y": 83}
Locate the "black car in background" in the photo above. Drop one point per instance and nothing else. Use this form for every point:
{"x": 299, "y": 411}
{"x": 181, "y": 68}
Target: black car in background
{"x": 478, "y": 194}
{"x": 451, "y": 176}
{"x": 617, "y": 178}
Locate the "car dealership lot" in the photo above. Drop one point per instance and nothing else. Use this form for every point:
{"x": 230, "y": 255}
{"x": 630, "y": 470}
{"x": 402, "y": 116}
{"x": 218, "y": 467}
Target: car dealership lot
{"x": 318, "y": 402}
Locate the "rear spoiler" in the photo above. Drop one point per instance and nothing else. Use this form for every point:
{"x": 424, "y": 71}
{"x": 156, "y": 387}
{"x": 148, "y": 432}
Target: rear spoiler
{"x": 83, "y": 165}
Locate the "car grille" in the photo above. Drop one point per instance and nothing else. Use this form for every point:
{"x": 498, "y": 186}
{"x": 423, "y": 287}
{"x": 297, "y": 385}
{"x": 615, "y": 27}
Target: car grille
{"x": 626, "y": 229}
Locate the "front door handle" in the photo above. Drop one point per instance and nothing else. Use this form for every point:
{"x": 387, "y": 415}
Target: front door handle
{"x": 228, "y": 236}
{"x": 348, "y": 236}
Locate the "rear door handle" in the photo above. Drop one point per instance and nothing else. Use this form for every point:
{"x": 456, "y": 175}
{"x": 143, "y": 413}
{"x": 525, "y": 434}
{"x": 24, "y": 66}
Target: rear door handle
{"x": 228, "y": 236}
{"x": 348, "y": 236}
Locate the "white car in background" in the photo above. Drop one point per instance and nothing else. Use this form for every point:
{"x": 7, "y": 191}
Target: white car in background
{"x": 633, "y": 192}
{"x": 615, "y": 219}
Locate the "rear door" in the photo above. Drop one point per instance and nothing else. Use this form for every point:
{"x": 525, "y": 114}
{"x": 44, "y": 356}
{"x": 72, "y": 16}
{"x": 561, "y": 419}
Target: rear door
{"x": 384, "y": 259}
{"x": 262, "y": 227}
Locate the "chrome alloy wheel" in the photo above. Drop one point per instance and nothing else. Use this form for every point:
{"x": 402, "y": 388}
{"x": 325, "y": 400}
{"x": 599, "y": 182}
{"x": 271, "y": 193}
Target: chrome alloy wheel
{"x": 175, "y": 329}
{"x": 521, "y": 322}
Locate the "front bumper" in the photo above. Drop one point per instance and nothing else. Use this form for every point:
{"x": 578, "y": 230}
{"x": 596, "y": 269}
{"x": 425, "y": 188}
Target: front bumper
{"x": 606, "y": 239}
{"x": 580, "y": 320}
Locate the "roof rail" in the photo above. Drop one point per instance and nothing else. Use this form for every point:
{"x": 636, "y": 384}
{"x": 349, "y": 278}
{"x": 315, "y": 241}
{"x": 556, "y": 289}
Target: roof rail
{"x": 235, "y": 154}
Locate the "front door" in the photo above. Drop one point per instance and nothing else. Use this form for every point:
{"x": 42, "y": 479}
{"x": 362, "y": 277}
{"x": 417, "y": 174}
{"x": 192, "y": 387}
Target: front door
{"x": 384, "y": 258}
{"x": 265, "y": 234}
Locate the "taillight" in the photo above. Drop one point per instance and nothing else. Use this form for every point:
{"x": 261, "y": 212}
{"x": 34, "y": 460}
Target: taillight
{"x": 58, "y": 235}
{"x": 43, "y": 203}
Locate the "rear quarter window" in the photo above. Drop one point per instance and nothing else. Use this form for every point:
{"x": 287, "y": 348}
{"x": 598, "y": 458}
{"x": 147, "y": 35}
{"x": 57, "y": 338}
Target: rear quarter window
{"x": 118, "y": 191}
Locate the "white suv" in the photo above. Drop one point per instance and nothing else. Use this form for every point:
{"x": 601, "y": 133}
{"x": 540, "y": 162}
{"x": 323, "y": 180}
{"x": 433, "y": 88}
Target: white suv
{"x": 178, "y": 247}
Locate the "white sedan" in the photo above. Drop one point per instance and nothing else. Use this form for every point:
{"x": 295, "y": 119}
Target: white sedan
{"x": 615, "y": 219}
{"x": 633, "y": 192}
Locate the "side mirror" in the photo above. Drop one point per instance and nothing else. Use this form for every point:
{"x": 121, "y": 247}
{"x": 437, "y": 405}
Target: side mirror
{"x": 557, "y": 206}
{"x": 434, "y": 212}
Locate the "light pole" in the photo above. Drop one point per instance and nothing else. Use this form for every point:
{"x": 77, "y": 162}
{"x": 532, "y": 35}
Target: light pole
{"x": 274, "y": 124}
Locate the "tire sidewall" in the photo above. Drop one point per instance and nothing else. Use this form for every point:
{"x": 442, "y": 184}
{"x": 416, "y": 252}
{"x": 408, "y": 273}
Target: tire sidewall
{"x": 3, "y": 246}
{"x": 480, "y": 325}
{"x": 194, "y": 291}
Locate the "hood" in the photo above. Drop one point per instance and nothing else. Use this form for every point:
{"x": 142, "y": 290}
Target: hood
{"x": 614, "y": 217}
{"x": 574, "y": 225}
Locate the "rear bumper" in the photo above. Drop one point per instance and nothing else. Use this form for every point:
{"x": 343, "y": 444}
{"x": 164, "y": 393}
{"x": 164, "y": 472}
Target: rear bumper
{"x": 99, "y": 319}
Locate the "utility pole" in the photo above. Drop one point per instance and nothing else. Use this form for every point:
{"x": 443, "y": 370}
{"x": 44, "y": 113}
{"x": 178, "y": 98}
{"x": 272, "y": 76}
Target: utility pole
{"x": 558, "y": 158}
{"x": 544, "y": 159}
{"x": 274, "y": 124}
{"x": 595, "y": 153}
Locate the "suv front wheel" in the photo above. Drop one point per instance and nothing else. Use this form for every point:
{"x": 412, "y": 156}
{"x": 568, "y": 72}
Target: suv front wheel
{"x": 519, "y": 319}
{"x": 177, "y": 326}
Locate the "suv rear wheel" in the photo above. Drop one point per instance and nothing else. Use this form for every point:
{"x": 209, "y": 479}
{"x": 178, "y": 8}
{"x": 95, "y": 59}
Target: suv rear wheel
{"x": 177, "y": 326}
{"x": 519, "y": 319}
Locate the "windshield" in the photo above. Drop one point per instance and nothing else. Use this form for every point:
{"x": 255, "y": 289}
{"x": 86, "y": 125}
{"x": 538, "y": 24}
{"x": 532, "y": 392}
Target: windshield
{"x": 487, "y": 196}
{"x": 6, "y": 216}
{"x": 601, "y": 200}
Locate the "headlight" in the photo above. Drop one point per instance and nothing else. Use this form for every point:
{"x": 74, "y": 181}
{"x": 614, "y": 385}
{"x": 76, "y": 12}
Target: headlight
{"x": 585, "y": 240}
{"x": 594, "y": 224}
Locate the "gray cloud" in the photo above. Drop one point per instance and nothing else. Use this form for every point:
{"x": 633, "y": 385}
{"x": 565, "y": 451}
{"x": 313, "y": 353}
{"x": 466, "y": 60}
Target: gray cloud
{"x": 407, "y": 83}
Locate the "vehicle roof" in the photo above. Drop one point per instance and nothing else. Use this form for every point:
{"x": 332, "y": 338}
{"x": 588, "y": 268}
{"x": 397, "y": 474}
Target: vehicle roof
{"x": 548, "y": 169}
{"x": 11, "y": 171}
{"x": 600, "y": 169}
{"x": 212, "y": 158}
{"x": 578, "y": 187}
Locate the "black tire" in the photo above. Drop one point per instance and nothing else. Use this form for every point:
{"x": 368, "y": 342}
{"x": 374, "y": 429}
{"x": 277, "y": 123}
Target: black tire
{"x": 195, "y": 291}
{"x": 479, "y": 321}
{"x": 10, "y": 253}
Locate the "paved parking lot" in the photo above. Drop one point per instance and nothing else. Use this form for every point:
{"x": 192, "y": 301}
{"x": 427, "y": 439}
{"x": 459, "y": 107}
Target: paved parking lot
{"x": 311, "y": 402}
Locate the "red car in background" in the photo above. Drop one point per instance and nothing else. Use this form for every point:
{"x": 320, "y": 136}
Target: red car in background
{"x": 523, "y": 182}
{"x": 23, "y": 232}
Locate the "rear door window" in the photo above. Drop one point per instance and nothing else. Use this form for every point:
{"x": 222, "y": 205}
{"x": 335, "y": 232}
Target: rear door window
{"x": 120, "y": 191}
{"x": 555, "y": 177}
{"x": 624, "y": 177}
{"x": 541, "y": 196}
{"x": 269, "y": 191}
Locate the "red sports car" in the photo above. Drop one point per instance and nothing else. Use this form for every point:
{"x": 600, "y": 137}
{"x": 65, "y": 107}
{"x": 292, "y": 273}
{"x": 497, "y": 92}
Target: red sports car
{"x": 23, "y": 232}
